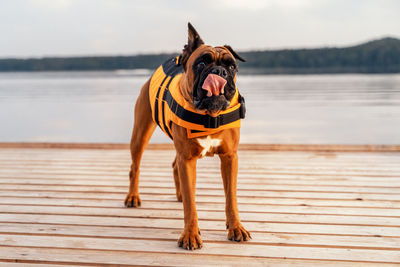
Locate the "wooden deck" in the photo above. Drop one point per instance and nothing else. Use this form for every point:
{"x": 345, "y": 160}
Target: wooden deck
{"x": 65, "y": 207}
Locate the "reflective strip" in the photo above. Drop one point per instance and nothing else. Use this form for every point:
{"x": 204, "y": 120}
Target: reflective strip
{"x": 157, "y": 99}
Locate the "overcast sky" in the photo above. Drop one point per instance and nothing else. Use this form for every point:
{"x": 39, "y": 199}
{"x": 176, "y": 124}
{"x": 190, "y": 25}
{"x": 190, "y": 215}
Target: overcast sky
{"x": 122, "y": 27}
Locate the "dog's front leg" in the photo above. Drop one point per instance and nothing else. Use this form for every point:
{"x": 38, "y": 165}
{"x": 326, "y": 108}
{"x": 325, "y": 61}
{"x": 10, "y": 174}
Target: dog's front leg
{"x": 190, "y": 238}
{"x": 229, "y": 170}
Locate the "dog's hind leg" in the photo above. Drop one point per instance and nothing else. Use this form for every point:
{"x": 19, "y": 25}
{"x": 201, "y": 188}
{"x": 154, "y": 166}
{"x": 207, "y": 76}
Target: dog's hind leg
{"x": 177, "y": 183}
{"x": 143, "y": 129}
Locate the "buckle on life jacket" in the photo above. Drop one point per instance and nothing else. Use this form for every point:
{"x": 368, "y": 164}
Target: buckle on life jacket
{"x": 213, "y": 122}
{"x": 242, "y": 109}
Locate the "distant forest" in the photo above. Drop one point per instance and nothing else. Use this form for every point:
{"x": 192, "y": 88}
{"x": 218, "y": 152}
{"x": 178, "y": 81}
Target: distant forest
{"x": 378, "y": 56}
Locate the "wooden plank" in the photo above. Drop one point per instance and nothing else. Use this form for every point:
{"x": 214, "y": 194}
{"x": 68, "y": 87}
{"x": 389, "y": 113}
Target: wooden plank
{"x": 255, "y": 178}
{"x": 92, "y": 161}
{"x": 379, "y": 172}
{"x": 129, "y": 258}
{"x": 209, "y": 199}
{"x": 251, "y": 174}
{"x": 245, "y": 161}
{"x": 109, "y": 162}
{"x": 250, "y": 162}
{"x": 160, "y": 173}
{"x": 207, "y": 179}
{"x": 287, "y": 227}
{"x": 205, "y": 206}
{"x": 260, "y": 238}
{"x": 232, "y": 249}
{"x": 204, "y": 185}
{"x": 203, "y": 215}
{"x": 204, "y": 182}
{"x": 266, "y": 166}
{"x": 208, "y": 192}
{"x": 165, "y": 171}
{"x": 165, "y": 157}
{"x": 361, "y": 159}
{"x": 212, "y": 180}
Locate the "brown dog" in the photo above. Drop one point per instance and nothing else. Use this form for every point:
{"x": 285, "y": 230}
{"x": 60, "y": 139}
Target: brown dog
{"x": 195, "y": 101}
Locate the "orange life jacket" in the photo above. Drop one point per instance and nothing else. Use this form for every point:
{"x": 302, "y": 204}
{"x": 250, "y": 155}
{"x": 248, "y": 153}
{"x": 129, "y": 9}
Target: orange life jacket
{"x": 168, "y": 105}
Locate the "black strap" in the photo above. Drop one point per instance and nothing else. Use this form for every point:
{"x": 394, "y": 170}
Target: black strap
{"x": 206, "y": 120}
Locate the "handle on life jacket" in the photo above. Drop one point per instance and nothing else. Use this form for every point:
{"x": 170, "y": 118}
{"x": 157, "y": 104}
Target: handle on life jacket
{"x": 242, "y": 109}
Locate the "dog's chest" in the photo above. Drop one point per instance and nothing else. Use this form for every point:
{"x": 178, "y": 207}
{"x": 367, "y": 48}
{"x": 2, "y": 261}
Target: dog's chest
{"x": 208, "y": 144}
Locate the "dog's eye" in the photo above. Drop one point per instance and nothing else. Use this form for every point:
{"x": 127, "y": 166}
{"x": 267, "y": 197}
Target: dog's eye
{"x": 201, "y": 64}
{"x": 232, "y": 67}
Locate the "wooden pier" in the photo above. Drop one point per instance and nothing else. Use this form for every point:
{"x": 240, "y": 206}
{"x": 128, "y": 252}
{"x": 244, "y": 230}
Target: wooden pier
{"x": 312, "y": 206}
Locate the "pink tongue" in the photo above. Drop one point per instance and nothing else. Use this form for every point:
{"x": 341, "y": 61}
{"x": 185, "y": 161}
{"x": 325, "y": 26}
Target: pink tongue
{"x": 214, "y": 84}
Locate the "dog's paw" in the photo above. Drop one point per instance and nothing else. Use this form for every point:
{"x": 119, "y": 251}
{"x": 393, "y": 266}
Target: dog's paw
{"x": 190, "y": 240}
{"x": 132, "y": 201}
{"x": 238, "y": 234}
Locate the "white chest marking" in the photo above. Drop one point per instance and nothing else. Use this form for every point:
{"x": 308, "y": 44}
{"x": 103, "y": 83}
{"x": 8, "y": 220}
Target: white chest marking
{"x": 207, "y": 144}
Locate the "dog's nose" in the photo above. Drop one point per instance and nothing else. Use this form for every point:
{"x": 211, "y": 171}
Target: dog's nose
{"x": 220, "y": 71}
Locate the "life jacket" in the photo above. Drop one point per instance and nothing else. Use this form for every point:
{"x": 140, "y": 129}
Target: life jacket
{"x": 168, "y": 105}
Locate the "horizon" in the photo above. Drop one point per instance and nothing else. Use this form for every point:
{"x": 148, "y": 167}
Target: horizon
{"x": 178, "y": 51}
{"x": 73, "y": 28}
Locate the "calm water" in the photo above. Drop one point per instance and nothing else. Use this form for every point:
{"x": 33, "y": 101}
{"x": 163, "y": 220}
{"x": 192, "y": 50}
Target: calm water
{"x": 98, "y": 107}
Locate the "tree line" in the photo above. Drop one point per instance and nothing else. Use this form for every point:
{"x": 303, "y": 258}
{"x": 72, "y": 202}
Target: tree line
{"x": 378, "y": 56}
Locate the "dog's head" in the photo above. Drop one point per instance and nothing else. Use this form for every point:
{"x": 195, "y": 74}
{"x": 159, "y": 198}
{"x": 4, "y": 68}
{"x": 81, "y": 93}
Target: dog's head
{"x": 210, "y": 73}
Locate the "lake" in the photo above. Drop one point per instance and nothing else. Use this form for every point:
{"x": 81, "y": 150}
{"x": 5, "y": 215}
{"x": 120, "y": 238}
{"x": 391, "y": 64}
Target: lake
{"x": 281, "y": 109}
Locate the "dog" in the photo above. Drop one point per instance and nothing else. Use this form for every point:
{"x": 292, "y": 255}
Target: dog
{"x": 193, "y": 98}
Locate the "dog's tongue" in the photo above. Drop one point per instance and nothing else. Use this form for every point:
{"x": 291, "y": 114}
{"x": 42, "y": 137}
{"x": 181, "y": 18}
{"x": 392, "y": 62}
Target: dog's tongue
{"x": 214, "y": 84}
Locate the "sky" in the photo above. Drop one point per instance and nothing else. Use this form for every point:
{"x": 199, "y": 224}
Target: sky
{"x": 37, "y": 28}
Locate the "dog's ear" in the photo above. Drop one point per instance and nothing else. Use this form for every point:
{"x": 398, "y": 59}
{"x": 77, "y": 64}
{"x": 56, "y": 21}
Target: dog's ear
{"x": 234, "y": 53}
{"x": 194, "y": 41}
